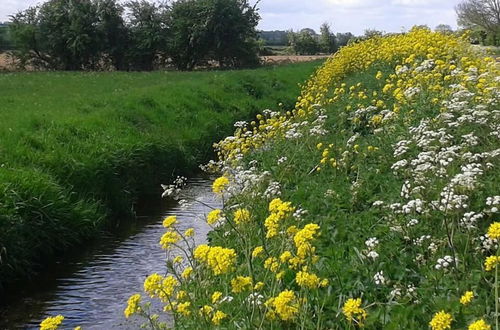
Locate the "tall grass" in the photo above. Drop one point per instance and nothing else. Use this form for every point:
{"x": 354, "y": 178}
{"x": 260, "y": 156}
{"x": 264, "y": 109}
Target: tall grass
{"x": 77, "y": 149}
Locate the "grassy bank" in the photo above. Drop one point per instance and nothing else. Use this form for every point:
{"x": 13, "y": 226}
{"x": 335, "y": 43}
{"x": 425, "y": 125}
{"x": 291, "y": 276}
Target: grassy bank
{"x": 374, "y": 203}
{"x": 76, "y": 149}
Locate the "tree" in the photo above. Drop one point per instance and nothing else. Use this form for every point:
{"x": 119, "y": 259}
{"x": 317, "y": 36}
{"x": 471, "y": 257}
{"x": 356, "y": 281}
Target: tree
{"x": 443, "y": 28}
{"x": 480, "y": 15}
{"x": 219, "y": 30}
{"x": 343, "y": 38}
{"x": 147, "y": 33}
{"x": 304, "y": 42}
{"x": 326, "y": 39}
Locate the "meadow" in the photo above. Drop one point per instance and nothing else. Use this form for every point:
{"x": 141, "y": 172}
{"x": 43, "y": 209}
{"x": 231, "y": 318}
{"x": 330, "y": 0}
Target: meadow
{"x": 78, "y": 149}
{"x": 372, "y": 202}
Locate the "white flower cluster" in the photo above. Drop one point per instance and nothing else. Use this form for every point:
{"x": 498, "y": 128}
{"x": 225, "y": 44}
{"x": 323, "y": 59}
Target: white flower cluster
{"x": 371, "y": 244}
{"x": 445, "y": 262}
{"x": 379, "y": 278}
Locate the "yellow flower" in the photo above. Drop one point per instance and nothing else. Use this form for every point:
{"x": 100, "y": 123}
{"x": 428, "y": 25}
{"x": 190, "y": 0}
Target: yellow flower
{"x": 241, "y": 283}
{"x": 187, "y": 272}
{"x": 183, "y": 308}
{"x": 169, "y": 221}
{"x": 257, "y": 251}
{"x": 494, "y": 230}
{"x": 272, "y": 264}
{"x": 353, "y": 311}
{"x": 220, "y": 184}
{"x": 258, "y": 286}
{"x": 168, "y": 239}
{"x": 307, "y": 280}
{"x": 181, "y": 295}
{"x": 220, "y": 260}
{"x": 178, "y": 260}
{"x": 479, "y": 325}
{"x": 491, "y": 262}
{"x": 132, "y": 305}
{"x": 379, "y": 75}
{"x": 441, "y": 321}
{"x": 206, "y": 310}
{"x": 285, "y": 256}
{"x": 51, "y": 323}
{"x": 189, "y": 232}
{"x": 466, "y": 297}
{"x": 241, "y": 216}
{"x": 218, "y": 317}
{"x": 214, "y": 216}
{"x": 216, "y": 297}
{"x": 158, "y": 286}
{"x": 285, "y": 305}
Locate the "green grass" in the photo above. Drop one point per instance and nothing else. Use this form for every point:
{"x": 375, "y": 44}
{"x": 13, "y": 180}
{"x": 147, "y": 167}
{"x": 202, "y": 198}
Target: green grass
{"x": 77, "y": 149}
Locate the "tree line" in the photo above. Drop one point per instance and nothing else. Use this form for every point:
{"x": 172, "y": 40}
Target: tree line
{"x": 139, "y": 35}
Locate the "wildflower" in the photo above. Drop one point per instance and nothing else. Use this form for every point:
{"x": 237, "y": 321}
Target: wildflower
{"x": 216, "y": 297}
{"x": 494, "y": 230}
{"x": 241, "y": 216}
{"x": 132, "y": 305}
{"x": 257, "y": 251}
{"x": 272, "y": 264}
{"x": 187, "y": 272}
{"x": 169, "y": 238}
{"x": 466, "y": 297}
{"x": 220, "y": 260}
{"x": 441, "y": 321}
{"x": 189, "y": 232}
{"x": 353, "y": 311}
{"x": 479, "y": 325}
{"x": 303, "y": 237}
{"x": 206, "y": 310}
{"x": 51, "y": 323}
{"x": 258, "y": 286}
{"x": 307, "y": 280}
{"x": 178, "y": 260}
{"x": 285, "y": 305}
{"x": 169, "y": 221}
{"x": 379, "y": 75}
{"x": 285, "y": 256}
{"x": 214, "y": 216}
{"x": 181, "y": 295}
{"x": 183, "y": 308}
{"x": 491, "y": 262}
{"x": 218, "y": 317}
{"x": 220, "y": 184}
{"x": 241, "y": 283}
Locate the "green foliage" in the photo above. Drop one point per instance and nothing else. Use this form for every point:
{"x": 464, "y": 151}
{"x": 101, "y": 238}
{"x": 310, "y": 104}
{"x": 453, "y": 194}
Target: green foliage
{"x": 303, "y": 42}
{"x": 77, "y": 149}
{"x": 327, "y": 39}
{"x": 218, "y": 30}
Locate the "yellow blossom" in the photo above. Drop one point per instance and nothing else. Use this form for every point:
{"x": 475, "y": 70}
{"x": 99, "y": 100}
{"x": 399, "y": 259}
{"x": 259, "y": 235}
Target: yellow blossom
{"x": 169, "y": 221}
{"x": 258, "y": 286}
{"x": 51, "y": 323}
{"x": 189, "y": 232}
{"x": 241, "y": 216}
{"x": 214, "y": 216}
{"x": 183, "y": 308}
{"x": 241, "y": 283}
{"x": 441, "y": 321}
{"x": 220, "y": 184}
{"x": 307, "y": 280}
{"x": 491, "y": 262}
{"x": 169, "y": 238}
{"x": 466, "y": 297}
{"x": 187, "y": 272}
{"x": 216, "y": 297}
{"x": 218, "y": 317}
{"x": 494, "y": 230}
{"x": 257, "y": 251}
{"x": 285, "y": 305}
{"x": 479, "y": 325}
{"x": 132, "y": 305}
{"x": 353, "y": 311}
{"x": 220, "y": 260}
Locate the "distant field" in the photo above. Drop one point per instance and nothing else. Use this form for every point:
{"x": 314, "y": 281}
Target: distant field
{"x": 76, "y": 147}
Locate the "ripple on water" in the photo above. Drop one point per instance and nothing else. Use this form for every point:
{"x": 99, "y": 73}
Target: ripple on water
{"x": 94, "y": 292}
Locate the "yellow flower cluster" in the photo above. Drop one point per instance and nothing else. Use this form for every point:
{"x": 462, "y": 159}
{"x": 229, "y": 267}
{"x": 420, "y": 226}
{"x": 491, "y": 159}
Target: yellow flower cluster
{"x": 169, "y": 221}
{"x": 220, "y": 260}
{"x": 494, "y": 230}
{"x": 241, "y": 284}
{"x": 353, "y": 311}
{"x": 169, "y": 239}
{"x": 132, "y": 305}
{"x": 51, "y": 323}
{"x": 441, "y": 321}
{"x": 467, "y": 298}
{"x": 160, "y": 287}
{"x": 309, "y": 280}
{"x": 241, "y": 216}
{"x": 279, "y": 211}
{"x": 479, "y": 325}
{"x": 214, "y": 216}
{"x": 285, "y": 305}
{"x": 491, "y": 263}
{"x": 220, "y": 185}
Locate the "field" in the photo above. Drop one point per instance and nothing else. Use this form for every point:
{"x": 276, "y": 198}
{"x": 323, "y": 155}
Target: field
{"x": 77, "y": 149}
{"x": 372, "y": 204}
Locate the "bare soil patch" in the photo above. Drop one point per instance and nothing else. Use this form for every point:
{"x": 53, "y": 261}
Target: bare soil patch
{"x": 281, "y": 59}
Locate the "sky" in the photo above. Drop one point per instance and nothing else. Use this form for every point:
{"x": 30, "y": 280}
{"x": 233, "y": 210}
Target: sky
{"x": 343, "y": 15}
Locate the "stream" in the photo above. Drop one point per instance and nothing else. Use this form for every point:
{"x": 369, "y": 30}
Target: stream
{"x": 91, "y": 287}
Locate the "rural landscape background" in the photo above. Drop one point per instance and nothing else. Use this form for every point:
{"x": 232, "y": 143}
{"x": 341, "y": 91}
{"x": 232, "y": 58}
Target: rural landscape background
{"x": 190, "y": 163}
